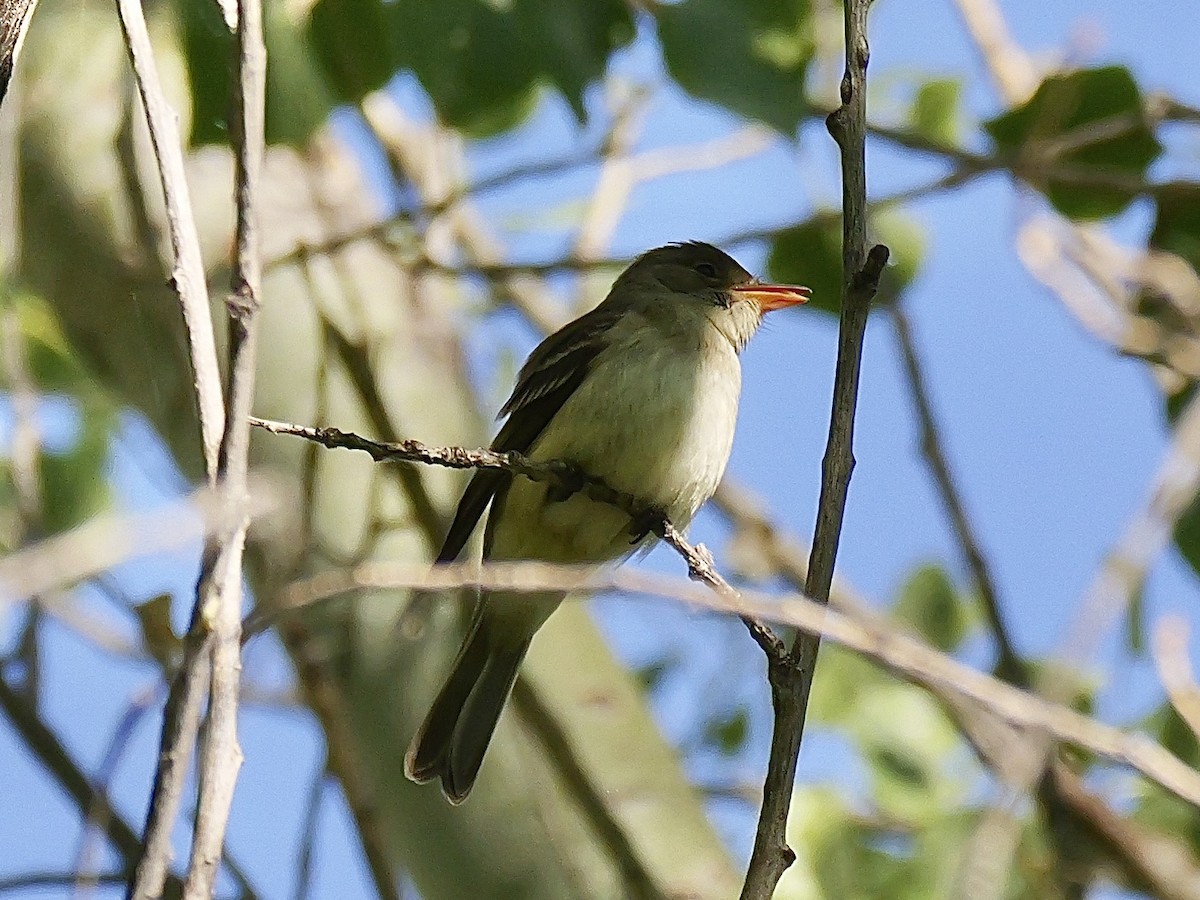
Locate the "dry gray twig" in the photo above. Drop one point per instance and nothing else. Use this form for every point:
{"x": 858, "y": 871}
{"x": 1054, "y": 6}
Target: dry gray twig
{"x": 877, "y": 640}
{"x": 791, "y": 680}
{"x": 219, "y": 596}
{"x": 646, "y": 519}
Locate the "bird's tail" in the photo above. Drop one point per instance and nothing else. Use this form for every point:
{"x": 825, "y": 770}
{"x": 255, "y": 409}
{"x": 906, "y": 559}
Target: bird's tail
{"x": 456, "y": 733}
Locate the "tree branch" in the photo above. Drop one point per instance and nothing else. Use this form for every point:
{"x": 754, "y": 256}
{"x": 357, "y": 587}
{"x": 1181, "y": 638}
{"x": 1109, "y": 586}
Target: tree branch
{"x": 1009, "y": 664}
{"x": 219, "y": 600}
{"x": 187, "y": 275}
{"x": 791, "y": 682}
{"x": 866, "y": 635}
{"x": 561, "y": 474}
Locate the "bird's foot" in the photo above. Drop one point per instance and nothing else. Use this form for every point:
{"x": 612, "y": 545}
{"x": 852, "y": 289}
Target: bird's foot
{"x": 650, "y": 520}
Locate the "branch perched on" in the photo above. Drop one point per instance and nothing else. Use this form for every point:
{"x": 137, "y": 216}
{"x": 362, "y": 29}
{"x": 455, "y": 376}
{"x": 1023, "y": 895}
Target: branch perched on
{"x": 646, "y": 518}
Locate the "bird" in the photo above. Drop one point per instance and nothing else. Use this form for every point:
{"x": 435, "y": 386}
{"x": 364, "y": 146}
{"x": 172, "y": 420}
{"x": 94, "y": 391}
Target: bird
{"x": 641, "y": 392}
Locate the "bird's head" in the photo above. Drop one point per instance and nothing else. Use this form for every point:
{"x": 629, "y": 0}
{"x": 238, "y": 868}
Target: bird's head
{"x": 700, "y": 279}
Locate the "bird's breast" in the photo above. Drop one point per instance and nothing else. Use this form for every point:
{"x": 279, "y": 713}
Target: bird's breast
{"x": 654, "y": 419}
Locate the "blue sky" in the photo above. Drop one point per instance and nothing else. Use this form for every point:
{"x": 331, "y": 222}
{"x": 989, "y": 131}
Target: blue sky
{"x": 1052, "y": 436}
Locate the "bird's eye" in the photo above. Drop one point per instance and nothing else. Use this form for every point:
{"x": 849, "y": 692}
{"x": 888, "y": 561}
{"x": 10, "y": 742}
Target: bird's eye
{"x": 708, "y": 270}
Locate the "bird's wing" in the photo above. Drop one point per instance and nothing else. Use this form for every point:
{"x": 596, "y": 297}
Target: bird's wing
{"x": 551, "y": 374}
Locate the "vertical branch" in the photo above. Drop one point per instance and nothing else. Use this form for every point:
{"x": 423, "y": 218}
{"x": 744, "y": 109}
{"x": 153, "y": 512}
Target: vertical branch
{"x": 791, "y": 676}
{"x": 1009, "y": 664}
{"x": 221, "y": 582}
{"x": 182, "y": 712}
{"x": 187, "y": 273}
{"x": 14, "y": 22}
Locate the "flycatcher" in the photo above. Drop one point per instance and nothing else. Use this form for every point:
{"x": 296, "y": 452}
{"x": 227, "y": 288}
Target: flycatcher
{"x": 641, "y": 392}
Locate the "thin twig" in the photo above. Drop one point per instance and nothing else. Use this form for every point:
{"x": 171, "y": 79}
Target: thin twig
{"x": 187, "y": 275}
{"x": 561, "y": 474}
{"x": 107, "y": 540}
{"x": 1009, "y": 664}
{"x": 908, "y": 657}
{"x": 219, "y": 597}
{"x": 308, "y": 835}
{"x": 1175, "y": 670}
{"x": 46, "y": 746}
{"x": 183, "y": 703}
{"x": 14, "y": 23}
{"x": 791, "y": 682}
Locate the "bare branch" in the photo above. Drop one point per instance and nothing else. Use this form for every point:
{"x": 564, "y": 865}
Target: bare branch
{"x": 105, "y": 541}
{"x": 219, "y": 595}
{"x": 14, "y": 23}
{"x": 645, "y": 518}
{"x": 187, "y": 275}
{"x": 791, "y": 683}
{"x": 1175, "y": 670}
{"x": 907, "y": 657}
{"x": 1009, "y": 666}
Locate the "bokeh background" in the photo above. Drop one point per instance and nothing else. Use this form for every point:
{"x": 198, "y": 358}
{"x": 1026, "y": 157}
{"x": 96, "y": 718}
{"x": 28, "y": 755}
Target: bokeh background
{"x": 491, "y": 136}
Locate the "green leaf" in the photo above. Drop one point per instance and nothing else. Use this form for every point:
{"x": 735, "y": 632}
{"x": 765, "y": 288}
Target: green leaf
{"x": 1061, "y": 107}
{"x": 1155, "y": 807}
{"x": 845, "y": 678}
{"x": 728, "y": 733}
{"x": 1177, "y": 223}
{"x": 353, "y": 42}
{"x": 298, "y": 97}
{"x": 482, "y": 61}
{"x": 811, "y": 254}
{"x": 1187, "y": 535}
{"x": 750, "y": 56}
{"x": 929, "y": 602}
{"x": 1169, "y": 729}
{"x": 907, "y": 741}
{"x": 935, "y": 112}
{"x": 74, "y": 483}
{"x": 652, "y": 675}
{"x": 158, "y": 634}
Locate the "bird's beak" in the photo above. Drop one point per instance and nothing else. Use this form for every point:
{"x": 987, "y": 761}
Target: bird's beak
{"x": 772, "y": 296}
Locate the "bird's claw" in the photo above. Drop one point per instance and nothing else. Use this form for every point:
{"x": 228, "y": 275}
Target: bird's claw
{"x": 648, "y": 521}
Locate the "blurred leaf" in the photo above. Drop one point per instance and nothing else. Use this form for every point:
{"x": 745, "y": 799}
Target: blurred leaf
{"x": 1177, "y": 223}
{"x": 1155, "y": 807}
{"x": 158, "y": 634}
{"x": 74, "y": 483}
{"x": 1176, "y": 231}
{"x": 930, "y": 603}
{"x": 845, "y": 677}
{"x": 907, "y": 741}
{"x": 750, "y": 56}
{"x": 1187, "y": 526}
{"x": 481, "y": 61}
{"x": 728, "y": 733}
{"x": 811, "y": 254}
{"x": 1074, "y": 688}
{"x": 652, "y": 675}
{"x": 298, "y": 97}
{"x": 1169, "y": 729}
{"x": 1187, "y": 535}
{"x": 935, "y": 112}
{"x": 1075, "y": 100}
{"x": 353, "y": 42}
{"x": 906, "y": 241}
{"x": 1135, "y": 621}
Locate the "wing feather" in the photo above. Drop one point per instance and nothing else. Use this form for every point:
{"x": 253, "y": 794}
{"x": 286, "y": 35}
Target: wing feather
{"x": 552, "y": 374}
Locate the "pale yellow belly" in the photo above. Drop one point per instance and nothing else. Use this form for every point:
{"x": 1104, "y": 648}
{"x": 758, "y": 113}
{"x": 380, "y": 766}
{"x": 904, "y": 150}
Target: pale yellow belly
{"x": 661, "y": 430}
